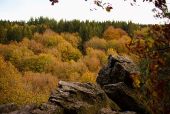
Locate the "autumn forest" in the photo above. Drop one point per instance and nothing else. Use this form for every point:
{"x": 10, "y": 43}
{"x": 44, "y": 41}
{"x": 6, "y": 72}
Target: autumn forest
{"x": 35, "y": 55}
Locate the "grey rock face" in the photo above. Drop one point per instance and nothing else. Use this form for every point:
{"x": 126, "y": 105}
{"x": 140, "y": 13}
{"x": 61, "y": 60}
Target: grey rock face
{"x": 81, "y": 98}
{"x": 117, "y": 82}
{"x": 118, "y": 69}
{"x": 125, "y": 97}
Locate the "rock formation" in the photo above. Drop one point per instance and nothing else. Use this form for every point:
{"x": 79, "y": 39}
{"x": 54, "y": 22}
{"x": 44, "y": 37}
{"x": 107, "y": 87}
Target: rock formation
{"x": 114, "y": 94}
{"x": 118, "y": 69}
{"x": 125, "y": 98}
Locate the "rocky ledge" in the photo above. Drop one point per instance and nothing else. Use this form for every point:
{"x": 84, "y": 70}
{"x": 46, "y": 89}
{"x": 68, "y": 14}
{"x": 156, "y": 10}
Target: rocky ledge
{"x": 114, "y": 93}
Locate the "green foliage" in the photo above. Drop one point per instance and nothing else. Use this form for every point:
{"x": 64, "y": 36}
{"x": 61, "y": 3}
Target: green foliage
{"x": 144, "y": 67}
{"x": 16, "y": 31}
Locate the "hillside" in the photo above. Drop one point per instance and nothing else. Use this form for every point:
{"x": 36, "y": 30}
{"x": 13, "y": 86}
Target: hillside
{"x": 35, "y": 55}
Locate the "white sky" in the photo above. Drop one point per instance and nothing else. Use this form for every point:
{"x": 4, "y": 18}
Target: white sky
{"x": 77, "y": 9}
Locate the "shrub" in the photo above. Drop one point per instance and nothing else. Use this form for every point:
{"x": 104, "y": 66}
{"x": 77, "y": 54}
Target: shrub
{"x": 111, "y": 51}
{"x": 40, "y": 83}
{"x": 54, "y": 52}
{"x": 88, "y": 77}
{"x": 96, "y": 43}
{"x": 68, "y": 52}
{"x": 72, "y": 38}
{"x": 48, "y": 38}
{"x": 14, "y": 53}
{"x": 117, "y": 45}
{"x": 113, "y": 33}
{"x": 11, "y": 87}
{"x": 34, "y": 46}
{"x": 68, "y": 70}
{"x": 93, "y": 63}
{"x": 36, "y": 63}
{"x": 99, "y": 54}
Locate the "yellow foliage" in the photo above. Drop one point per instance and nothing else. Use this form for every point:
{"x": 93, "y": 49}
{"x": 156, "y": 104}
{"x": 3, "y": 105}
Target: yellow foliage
{"x": 11, "y": 87}
{"x": 50, "y": 57}
{"x": 88, "y": 77}
{"x": 34, "y": 46}
{"x": 136, "y": 79}
{"x": 142, "y": 33}
{"x": 125, "y": 40}
{"x": 96, "y": 43}
{"x": 39, "y": 83}
{"x": 92, "y": 63}
{"x": 14, "y": 53}
{"x": 117, "y": 45}
{"x": 54, "y": 52}
{"x": 49, "y": 38}
{"x": 74, "y": 76}
{"x": 36, "y": 63}
{"x": 150, "y": 42}
{"x": 68, "y": 52}
{"x": 98, "y": 54}
{"x": 112, "y": 52}
{"x": 73, "y": 39}
{"x": 68, "y": 70}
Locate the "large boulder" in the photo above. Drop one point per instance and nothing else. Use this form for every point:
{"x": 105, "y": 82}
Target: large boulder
{"x": 118, "y": 69}
{"x": 126, "y": 98}
{"x": 84, "y": 98}
{"x": 81, "y": 98}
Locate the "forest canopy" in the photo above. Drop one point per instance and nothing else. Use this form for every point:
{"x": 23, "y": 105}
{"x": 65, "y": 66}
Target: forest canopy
{"x": 40, "y": 52}
{"x": 36, "y": 54}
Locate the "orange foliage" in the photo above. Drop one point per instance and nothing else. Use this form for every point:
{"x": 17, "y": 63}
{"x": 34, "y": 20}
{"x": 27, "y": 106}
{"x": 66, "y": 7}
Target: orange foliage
{"x": 113, "y": 33}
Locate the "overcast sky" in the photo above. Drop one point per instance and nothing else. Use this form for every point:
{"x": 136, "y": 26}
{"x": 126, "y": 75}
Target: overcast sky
{"x": 77, "y": 9}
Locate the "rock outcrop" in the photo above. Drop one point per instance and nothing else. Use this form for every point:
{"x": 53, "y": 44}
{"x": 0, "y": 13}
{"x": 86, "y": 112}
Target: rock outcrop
{"x": 126, "y": 98}
{"x": 118, "y": 69}
{"x": 81, "y": 98}
{"x": 114, "y": 94}
{"x": 118, "y": 82}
